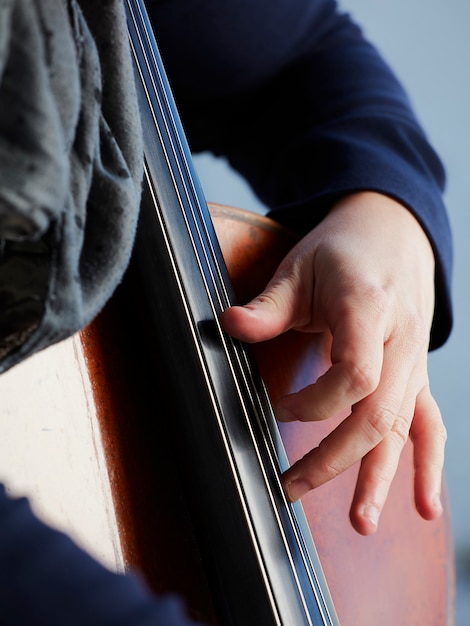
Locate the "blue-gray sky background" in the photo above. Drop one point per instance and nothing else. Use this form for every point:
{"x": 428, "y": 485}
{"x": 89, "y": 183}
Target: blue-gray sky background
{"x": 427, "y": 44}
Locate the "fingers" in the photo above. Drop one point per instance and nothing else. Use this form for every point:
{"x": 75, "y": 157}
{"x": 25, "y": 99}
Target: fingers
{"x": 379, "y": 466}
{"x": 384, "y": 380}
{"x": 370, "y": 433}
{"x": 357, "y": 359}
{"x": 377, "y": 471}
{"x": 429, "y": 435}
{"x": 273, "y": 312}
{"x": 375, "y": 433}
{"x": 364, "y": 278}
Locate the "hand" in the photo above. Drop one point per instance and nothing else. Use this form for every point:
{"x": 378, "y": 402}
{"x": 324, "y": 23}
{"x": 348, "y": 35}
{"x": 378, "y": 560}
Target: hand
{"x": 365, "y": 276}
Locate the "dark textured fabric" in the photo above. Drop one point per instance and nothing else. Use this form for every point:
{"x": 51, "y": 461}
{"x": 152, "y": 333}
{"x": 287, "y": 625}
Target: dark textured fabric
{"x": 70, "y": 167}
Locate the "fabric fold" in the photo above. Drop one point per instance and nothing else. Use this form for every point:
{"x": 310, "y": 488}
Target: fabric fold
{"x": 70, "y": 167}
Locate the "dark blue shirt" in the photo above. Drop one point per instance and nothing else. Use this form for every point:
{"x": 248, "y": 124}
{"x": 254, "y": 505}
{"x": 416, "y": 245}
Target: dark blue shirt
{"x": 47, "y": 580}
{"x": 305, "y": 109}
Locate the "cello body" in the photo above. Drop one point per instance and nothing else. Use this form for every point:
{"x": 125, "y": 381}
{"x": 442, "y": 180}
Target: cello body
{"x": 404, "y": 574}
{"x": 211, "y": 410}
{"x": 401, "y": 575}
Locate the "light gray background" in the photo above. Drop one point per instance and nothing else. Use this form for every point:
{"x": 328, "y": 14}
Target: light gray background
{"x": 427, "y": 43}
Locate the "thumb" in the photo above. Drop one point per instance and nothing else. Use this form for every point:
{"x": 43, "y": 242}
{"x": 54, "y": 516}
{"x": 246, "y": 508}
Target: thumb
{"x": 271, "y": 313}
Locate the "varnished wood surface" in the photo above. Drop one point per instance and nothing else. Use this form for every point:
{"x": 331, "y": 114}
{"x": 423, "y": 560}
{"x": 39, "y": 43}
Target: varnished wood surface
{"x": 404, "y": 573}
{"x": 401, "y": 575}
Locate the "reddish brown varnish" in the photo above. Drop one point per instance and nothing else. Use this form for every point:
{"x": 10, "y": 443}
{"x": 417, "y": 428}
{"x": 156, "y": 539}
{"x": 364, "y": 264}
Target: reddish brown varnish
{"x": 401, "y": 576}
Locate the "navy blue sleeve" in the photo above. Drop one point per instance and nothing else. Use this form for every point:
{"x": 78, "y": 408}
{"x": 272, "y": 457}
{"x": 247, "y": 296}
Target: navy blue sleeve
{"x": 46, "y": 580}
{"x": 296, "y": 99}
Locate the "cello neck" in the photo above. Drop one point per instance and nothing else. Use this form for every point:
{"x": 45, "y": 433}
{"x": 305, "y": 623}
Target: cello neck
{"x": 261, "y": 561}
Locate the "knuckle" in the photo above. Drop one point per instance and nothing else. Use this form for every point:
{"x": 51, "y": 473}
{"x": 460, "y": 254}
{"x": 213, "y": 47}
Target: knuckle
{"x": 362, "y": 378}
{"x": 443, "y": 433}
{"x": 401, "y": 430}
{"x": 376, "y": 298}
{"x": 329, "y": 471}
{"x": 325, "y": 465}
{"x": 269, "y": 297}
{"x": 440, "y": 433}
{"x": 379, "y": 423}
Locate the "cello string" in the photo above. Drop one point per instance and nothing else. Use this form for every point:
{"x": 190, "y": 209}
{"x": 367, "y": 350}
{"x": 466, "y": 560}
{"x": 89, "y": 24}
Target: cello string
{"x": 219, "y": 298}
{"x": 204, "y": 241}
{"x": 257, "y": 392}
{"x": 227, "y": 446}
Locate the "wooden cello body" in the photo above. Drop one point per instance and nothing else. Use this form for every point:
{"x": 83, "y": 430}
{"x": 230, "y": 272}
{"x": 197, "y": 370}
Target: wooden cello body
{"x": 401, "y": 575}
{"x": 269, "y": 564}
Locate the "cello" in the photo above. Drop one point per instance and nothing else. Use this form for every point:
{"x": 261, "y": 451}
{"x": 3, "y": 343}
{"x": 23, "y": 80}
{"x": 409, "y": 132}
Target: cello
{"x": 256, "y": 549}
{"x": 193, "y": 451}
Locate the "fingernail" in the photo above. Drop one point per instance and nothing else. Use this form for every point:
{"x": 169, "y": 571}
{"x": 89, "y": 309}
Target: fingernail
{"x": 296, "y": 489}
{"x": 372, "y": 513}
